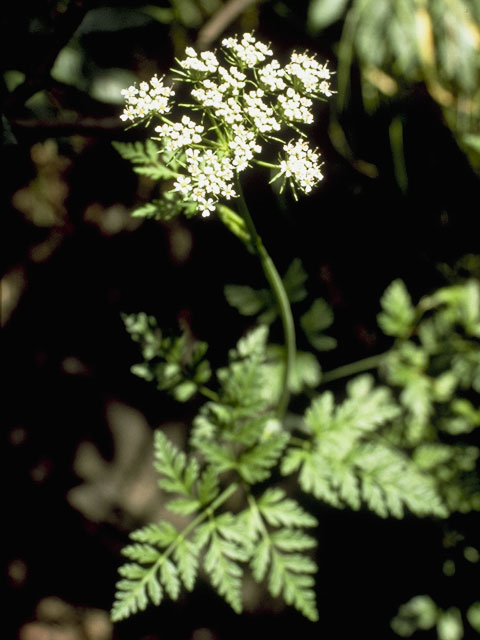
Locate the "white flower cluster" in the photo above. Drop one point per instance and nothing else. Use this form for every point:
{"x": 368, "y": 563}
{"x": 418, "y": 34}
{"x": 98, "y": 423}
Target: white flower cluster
{"x": 245, "y": 95}
{"x": 180, "y": 134}
{"x": 260, "y": 112}
{"x": 222, "y": 97}
{"x": 243, "y": 146}
{"x": 271, "y": 76}
{"x": 248, "y": 50}
{"x": 301, "y": 164}
{"x": 295, "y": 108}
{"x": 233, "y": 80}
{"x": 312, "y": 75}
{"x": 149, "y": 98}
{"x": 209, "y": 178}
{"x": 205, "y": 63}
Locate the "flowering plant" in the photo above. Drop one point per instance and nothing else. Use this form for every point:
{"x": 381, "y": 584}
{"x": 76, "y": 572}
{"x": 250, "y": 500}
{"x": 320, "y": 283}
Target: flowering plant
{"x": 243, "y": 97}
{"x": 374, "y": 449}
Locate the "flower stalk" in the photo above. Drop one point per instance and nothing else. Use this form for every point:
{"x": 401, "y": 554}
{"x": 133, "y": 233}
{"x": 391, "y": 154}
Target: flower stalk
{"x": 278, "y": 290}
{"x": 245, "y": 103}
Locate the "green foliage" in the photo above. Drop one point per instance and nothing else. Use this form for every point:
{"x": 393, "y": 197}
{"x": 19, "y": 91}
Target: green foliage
{"x": 435, "y": 365}
{"x": 239, "y": 434}
{"x": 398, "y": 314}
{"x": 151, "y": 573}
{"x": 318, "y": 318}
{"x": 473, "y": 616}
{"x": 251, "y": 302}
{"x": 165, "y": 208}
{"x": 175, "y": 364}
{"x": 262, "y": 303}
{"x": 421, "y": 614}
{"x": 397, "y": 43}
{"x": 172, "y": 557}
{"x": 148, "y": 160}
{"x": 274, "y": 523}
{"x": 344, "y": 461}
{"x": 418, "y": 613}
{"x": 322, "y": 13}
{"x": 305, "y": 372}
{"x": 364, "y": 449}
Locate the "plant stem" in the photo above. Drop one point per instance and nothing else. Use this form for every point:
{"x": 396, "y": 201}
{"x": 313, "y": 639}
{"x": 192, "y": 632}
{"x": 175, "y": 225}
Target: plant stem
{"x": 281, "y": 297}
{"x": 208, "y": 393}
{"x": 351, "y": 369}
{"x": 206, "y": 513}
{"x": 269, "y": 165}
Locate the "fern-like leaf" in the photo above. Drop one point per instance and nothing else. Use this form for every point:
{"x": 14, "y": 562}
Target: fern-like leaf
{"x": 160, "y": 535}
{"x": 279, "y": 510}
{"x": 291, "y": 577}
{"x": 250, "y": 302}
{"x": 241, "y": 416}
{"x": 391, "y": 481}
{"x": 141, "y": 585}
{"x": 164, "y": 208}
{"x": 343, "y": 464}
{"x": 261, "y": 559}
{"x": 186, "y": 557}
{"x": 225, "y": 550}
{"x": 243, "y": 381}
{"x": 278, "y": 522}
{"x": 208, "y": 485}
{"x": 178, "y": 475}
{"x": 398, "y": 314}
{"x": 254, "y": 464}
{"x": 318, "y": 318}
{"x": 146, "y": 158}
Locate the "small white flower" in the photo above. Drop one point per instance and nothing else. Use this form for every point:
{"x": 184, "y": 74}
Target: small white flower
{"x": 295, "y": 108}
{"x": 249, "y": 51}
{"x": 183, "y": 184}
{"x": 206, "y": 207}
{"x": 301, "y": 165}
{"x": 206, "y": 63}
{"x": 247, "y": 97}
{"x": 150, "y": 98}
{"x": 181, "y": 134}
{"x": 271, "y": 75}
{"x": 312, "y": 75}
{"x": 228, "y": 192}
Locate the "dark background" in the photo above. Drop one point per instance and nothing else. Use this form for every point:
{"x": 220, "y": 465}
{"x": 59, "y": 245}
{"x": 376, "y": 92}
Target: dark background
{"x": 73, "y": 261}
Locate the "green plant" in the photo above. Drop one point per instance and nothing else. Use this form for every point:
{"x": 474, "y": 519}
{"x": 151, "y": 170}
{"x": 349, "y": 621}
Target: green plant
{"x": 379, "y": 445}
{"x": 395, "y": 44}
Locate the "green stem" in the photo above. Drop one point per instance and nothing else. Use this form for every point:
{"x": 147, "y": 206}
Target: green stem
{"x": 208, "y": 393}
{"x": 281, "y": 297}
{"x": 354, "y": 367}
{"x": 269, "y": 165}
{"x": 234, "y": 222}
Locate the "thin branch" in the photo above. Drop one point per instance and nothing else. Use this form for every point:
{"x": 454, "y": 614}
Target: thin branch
{"x": 220, "y": 21}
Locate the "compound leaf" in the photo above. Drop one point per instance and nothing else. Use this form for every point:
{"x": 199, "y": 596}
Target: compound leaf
{"x": 254, "y": 464}
{"x": 344, "y": 464}
{"x": 279, "y": 510}
{"x": 222, "y": 559}
{"x": 398, "y": 314}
